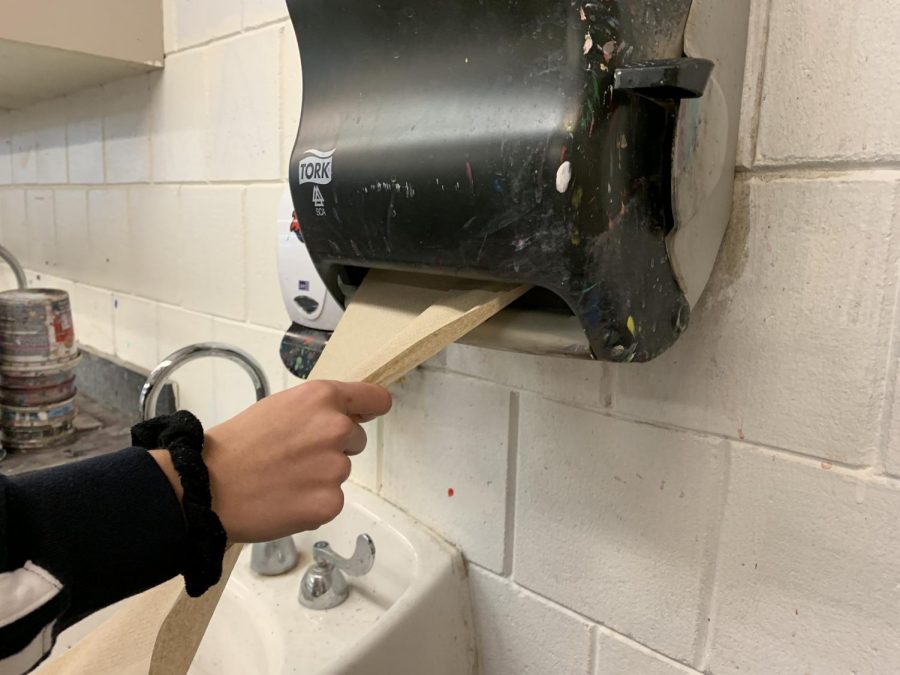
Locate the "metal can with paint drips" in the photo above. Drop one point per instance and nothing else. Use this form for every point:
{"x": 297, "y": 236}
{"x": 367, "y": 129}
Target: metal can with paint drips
{"x": 38, "y": 356}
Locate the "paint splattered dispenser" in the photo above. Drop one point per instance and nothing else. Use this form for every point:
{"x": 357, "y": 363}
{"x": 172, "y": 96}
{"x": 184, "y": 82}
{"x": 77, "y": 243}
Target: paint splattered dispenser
{"x": 586, "y": 148}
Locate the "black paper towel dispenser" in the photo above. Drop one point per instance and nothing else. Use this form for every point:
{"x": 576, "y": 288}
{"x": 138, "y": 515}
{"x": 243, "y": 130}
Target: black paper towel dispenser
{"x": 586, "y": 148}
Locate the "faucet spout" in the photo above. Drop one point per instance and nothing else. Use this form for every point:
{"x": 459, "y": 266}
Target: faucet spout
{"x": 163, "y": 371}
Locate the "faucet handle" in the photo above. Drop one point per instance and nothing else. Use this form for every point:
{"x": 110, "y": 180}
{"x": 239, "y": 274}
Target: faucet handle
{"x": 357, "y": 565}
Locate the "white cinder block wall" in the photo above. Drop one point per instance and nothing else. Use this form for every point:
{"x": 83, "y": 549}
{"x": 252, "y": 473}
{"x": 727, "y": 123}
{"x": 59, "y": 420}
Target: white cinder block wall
{"x": 733, "y": 507}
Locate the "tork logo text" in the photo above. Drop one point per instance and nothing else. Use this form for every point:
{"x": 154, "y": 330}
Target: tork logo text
{"x": 315, "y": 167}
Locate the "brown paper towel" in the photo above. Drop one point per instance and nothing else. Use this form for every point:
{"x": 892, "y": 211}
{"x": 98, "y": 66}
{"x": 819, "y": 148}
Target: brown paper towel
{"x": 395, "y": 323}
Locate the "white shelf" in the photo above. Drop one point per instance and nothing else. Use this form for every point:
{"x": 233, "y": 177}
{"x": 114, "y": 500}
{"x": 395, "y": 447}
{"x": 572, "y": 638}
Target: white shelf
{"x": 50, "y": 48}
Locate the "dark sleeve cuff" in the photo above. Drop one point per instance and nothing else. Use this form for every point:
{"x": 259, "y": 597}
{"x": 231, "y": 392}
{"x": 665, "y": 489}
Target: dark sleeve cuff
{"x": 107, "y": 528}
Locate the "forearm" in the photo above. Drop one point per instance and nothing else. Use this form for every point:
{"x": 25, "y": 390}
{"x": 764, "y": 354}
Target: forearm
{"x": 101, "y": 530}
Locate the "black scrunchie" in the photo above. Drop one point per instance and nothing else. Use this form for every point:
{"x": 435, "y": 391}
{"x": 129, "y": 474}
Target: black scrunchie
{"x": 182, "y": 435}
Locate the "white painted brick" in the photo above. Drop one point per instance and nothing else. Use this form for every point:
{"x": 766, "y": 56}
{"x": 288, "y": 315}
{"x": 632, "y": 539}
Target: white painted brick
{"x": 92, "y": 310}
{"x": 757, "y": 37}
{"x": 41, "y": 252}
{"x": 805, "y": 266}
{"x": 112, "y": 258}
{"x": 264, "y": 303}
{"x": 126, "y": 129}
{"x": 198, "y": 21}
{"x": 826, "y": 93}
{"x": 8, "y": 279}
{"x": 257, "y": 12}
{"x": 44, "y": 280}
{"x": 6, "y": 131}
{"x": 212, "y": 243}
{"x": 291, "y": 95}
{"x": 519, "y": 633}
{"x": 49, "y": 123}
{"x": 892, "y": 449}
{"x": 242, "y": 127}
{"x": 234, "y": 390}
{"x": 33, "y": 277}
{"x": 617, "y": 655}
{"x": 178, "y": 102}
{"x": 24, "y": 149}
{"x": 586, "y": 383}
{"x": 155, "y": 232}
{"x": 450, "y": 432}
{"x": 808, "y": 570}
{"x": 72, "y": 233}
{"x": 196, "y": 386}
{"x": 14, "y": 222}
{"x": 84, "y": 136}
{"x": 634, "y": 510}
{"x": 135, "y": 330}
{"x": 892, "y": 457}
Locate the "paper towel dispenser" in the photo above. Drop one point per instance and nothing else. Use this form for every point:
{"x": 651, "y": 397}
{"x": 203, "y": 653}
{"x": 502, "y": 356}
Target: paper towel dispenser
{"x": 586, "y": 148}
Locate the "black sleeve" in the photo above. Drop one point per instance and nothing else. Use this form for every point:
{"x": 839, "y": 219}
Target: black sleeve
{"x": 77, "y": 538}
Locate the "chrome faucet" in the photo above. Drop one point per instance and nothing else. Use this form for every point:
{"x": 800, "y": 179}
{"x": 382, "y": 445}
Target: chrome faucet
{"x": 271, "y": 558}
{"x": 324, "y": 585}
{"x": 13, "y": 262}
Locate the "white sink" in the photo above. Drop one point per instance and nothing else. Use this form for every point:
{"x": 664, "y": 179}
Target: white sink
{"x": 410, "y": 614}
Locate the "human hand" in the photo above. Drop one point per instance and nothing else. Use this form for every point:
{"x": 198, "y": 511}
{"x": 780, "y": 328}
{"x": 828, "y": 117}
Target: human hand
{"x": 277, "y": 468}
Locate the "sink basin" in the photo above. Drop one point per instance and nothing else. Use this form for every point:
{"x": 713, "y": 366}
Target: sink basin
{"x": 410, "y": 614}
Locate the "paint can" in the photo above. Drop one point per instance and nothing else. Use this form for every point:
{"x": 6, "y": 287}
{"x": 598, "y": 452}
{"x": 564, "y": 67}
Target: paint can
{"x": 36, "y": 327}
{"x": 37, "y": 389}
{"x": 38, "y": 356}
{"x": 34, "y": 427}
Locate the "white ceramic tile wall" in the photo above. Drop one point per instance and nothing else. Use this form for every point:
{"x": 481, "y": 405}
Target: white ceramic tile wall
{"x": 617, "y": 655}
{"x": 242, "y": 112}
{"x": 13, "y": 222}
{"x": 111, "y": 255}
{"x": 196, "y": 383}
{"x": 233, "y": 386}
{"x": 49, "y": 123}
{"x": 447, "y": 459}
{"x": 892, "y": 451}
{"x": 72, "y": 240}
{"x": 135, "y": 330}
{"x": 519, "y": 633}
{"x": 41, "y": 253}
{"x": 178, "y": 111}
{"x": 92, "y": 312}
{"x": 805, "y": 263}
{"x": 212, "y": 241}
{"x": 258, "y": 12}
{"x": 635, "y": 517}
{"x": 777, "y": 416}
{"x": 264, "y": 305}
{"x": 156, "y": 240}
{"x": 126, "y": 130}
{"x": 5, "y": 148}
{"x": 830, "y": 105}
{"x": 808, "y": 569}
{"x": 84, "y": 136}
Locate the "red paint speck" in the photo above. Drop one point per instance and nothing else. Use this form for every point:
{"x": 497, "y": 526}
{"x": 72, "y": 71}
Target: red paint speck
{"x": 450, "y": 492}
{"x": 741, "y": 433}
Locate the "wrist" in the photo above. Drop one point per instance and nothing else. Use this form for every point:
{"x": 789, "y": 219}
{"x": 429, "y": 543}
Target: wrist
{"x": 164, "y": 460}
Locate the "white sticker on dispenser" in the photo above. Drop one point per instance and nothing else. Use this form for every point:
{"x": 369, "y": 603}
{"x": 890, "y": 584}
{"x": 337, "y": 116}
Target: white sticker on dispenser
{"x": 315, "y": 167}
{"x": 318, "y": 201}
